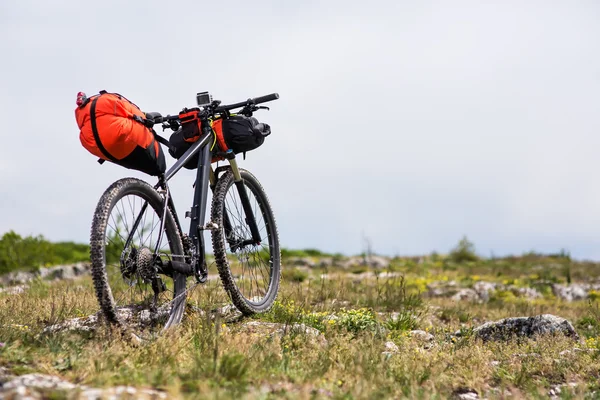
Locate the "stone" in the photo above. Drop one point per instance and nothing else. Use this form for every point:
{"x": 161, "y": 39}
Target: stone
{"x": 87, "y": 324}
{"x": 391, "y": 347}
{"x": 422, "y": 335}
{"x": 465, "y": 394}
{"x": 16, "y": 278}
{"x": 302, "y": 262}
{"x": 528, "y": 292}
{"x": 38, "y": 381}
{"x": 14, "y": 289}
{"x": 273, "y": 329}
{"x": 573, "y": 292}
{"x": 524, "y": 327}
{"x": 484, "y": 289}
{"x": 466, "y": 295}
{"x": 378, "y": 262}
{"x": 38, "y": 386}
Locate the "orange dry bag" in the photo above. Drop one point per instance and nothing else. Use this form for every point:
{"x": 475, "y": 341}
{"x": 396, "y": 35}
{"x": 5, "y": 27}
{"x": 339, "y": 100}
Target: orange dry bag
{"x": 112, "y": 128}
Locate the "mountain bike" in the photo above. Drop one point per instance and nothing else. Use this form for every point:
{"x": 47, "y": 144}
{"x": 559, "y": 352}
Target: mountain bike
{"x": 141, "y": 258}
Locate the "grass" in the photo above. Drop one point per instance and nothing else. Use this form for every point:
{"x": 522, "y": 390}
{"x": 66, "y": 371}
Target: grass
{"x": 355, "y": 314}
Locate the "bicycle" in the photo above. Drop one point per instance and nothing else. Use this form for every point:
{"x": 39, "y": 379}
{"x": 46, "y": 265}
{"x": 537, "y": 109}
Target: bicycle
{"x": 130, "y": 256}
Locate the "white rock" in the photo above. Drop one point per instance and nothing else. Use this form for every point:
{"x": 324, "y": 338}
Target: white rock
{"x": 422, "y": 335}
{"x": 391, "y": 347}
{"x": 573, "y": 292}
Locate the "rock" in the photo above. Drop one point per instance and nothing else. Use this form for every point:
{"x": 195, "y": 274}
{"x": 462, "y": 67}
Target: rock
{"x": 524, "y": 327}
{"x": 37, "y": 386}
{"x": 325, "y": 262}
{"x": 14, "y": 289}
{"x": 59, "y": 272}
{"x": 348, "y": 262}
{"x": 422, "y": 335}
{"x": 5, "y": 375}
{"x": 38, "y": 381}
{"x": 357, "y": 278}
{"x": 86, "y": 324}
{"x": 229, "y": 313}
{"x": 386, "y": 274}
{"x": 122, "y": 392}
{"x": 527, "y": 292}
{"x": 391, "y": 347}
{"x": 273, "y": 329}
{"x": 483, "y": 289}
{"x": 16, "y": 278}
{"x": 436, "y": 292}
{"x": 575, "y": 291}
{"x": 556, "y": 390}
{"x": 466, "y": 295}
{"x": 442, "y": 288}
{"x": 127, "y": 315}
{"x": 299, "y": 329}
{"x": 302, "y": 262}
{"x": 378, "y": 262}
{"x": 465, "y": 394}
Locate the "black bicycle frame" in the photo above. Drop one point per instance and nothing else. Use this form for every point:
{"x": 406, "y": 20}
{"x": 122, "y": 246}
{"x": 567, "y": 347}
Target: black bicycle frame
{"x": 200, "y": 202}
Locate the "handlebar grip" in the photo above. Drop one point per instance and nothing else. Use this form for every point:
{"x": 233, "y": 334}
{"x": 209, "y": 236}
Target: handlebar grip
{"x": 264, "y": 99}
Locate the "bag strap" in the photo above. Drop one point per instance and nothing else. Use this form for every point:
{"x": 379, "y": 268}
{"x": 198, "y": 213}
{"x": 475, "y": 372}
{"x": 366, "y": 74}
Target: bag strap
{"x": 95, "y": 132}
{"x": 163, "y": 141}
{"x": 136, "y": 118}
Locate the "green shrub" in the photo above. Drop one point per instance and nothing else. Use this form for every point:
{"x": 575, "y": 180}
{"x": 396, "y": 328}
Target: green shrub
{"x": 404, "y": 322}
{"x": 287, "y": 253}
{"x": 32, "y": 252}
{"x": 355, "y": 321}
{"x": 464, "y": 251}
{"x": 294, "y": 275}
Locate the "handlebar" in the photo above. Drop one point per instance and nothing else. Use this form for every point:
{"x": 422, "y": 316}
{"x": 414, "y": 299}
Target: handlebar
{"x": 215, "y": 107}
{"x": 256, "y": 100}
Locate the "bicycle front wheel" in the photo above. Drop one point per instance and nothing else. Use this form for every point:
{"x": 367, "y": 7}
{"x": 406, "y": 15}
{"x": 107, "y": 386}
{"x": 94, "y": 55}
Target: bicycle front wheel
{"x": 131, "y": 287}
{"x": 250, "y": 272}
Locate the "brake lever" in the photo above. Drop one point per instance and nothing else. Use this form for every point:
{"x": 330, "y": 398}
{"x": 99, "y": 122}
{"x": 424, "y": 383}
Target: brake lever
{"x": 251, "y": 108}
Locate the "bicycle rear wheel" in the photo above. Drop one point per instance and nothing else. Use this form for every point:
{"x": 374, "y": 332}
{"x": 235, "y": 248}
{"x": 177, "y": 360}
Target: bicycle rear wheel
{"x": 250, "y": 273}
{"x": 131, "y": 287}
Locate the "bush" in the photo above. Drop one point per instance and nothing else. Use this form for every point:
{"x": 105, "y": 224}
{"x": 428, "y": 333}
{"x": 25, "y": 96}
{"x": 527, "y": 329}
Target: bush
{"x": 294, "y": 275}
{"x": 355, "y": 321}
{"x": 286, "y": 253}
{"x": 464, "y": 251}
{"x": 32, "y": 252}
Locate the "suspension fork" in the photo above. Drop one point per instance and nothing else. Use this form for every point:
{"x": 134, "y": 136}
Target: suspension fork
{"x": 250, "y": 220}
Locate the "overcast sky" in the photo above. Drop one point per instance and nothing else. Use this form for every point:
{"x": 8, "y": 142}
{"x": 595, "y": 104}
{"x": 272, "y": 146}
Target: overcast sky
{"x": 410, "y": 123}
